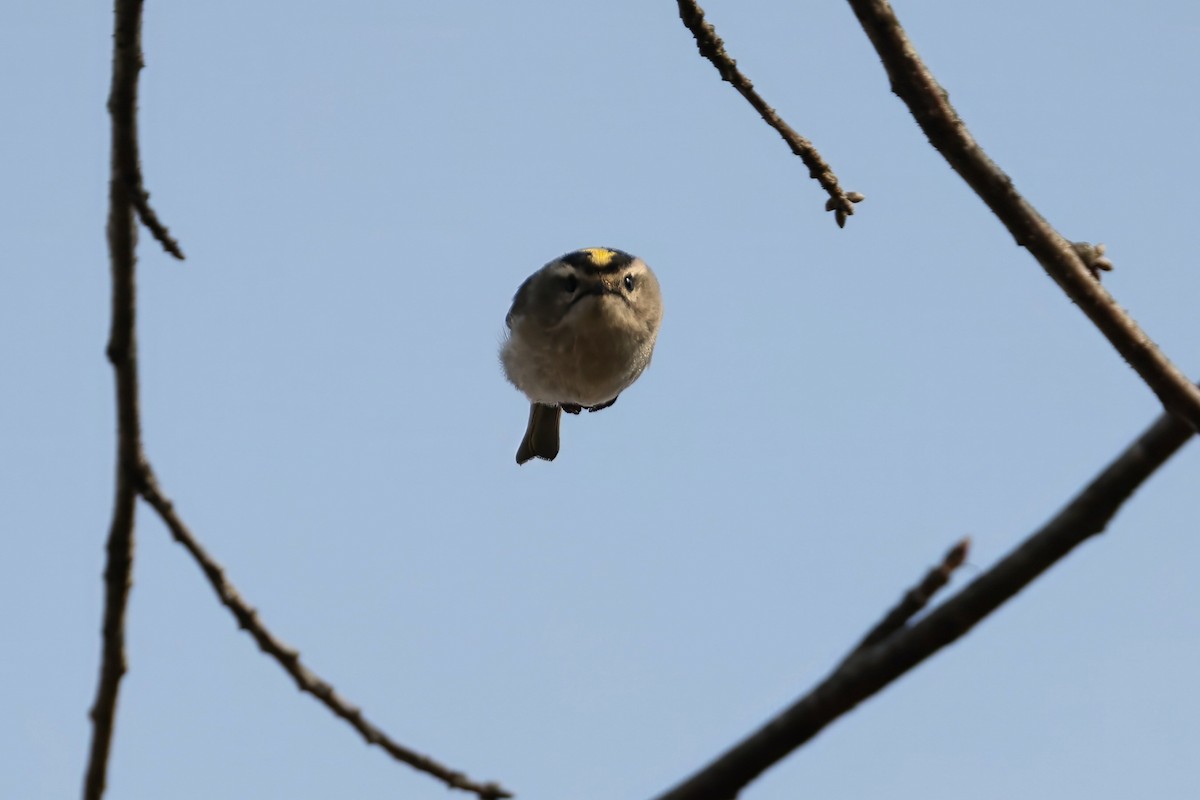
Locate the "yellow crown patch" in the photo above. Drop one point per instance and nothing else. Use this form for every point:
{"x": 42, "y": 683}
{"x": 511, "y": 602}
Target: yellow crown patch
{"x": 600, "y": 256}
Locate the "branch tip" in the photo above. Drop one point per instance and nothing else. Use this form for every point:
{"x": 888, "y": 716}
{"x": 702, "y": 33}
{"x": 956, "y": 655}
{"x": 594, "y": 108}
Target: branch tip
{"x": 712, "y": 47}
{"x": 957, "y": 555}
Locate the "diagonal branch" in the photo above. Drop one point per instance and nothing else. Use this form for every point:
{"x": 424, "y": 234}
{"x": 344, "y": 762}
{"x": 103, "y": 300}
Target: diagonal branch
{"x": 289, "y": 658}
{"x": 711, "y": 47}
{"x": 122, "y": 353}
{"x": 930, "y": 105}
{"x": 869, "y": 669}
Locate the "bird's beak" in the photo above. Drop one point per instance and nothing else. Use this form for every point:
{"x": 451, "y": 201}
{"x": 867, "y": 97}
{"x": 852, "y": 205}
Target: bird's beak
{"x": 603, "y": 286}
{"x": 598, "y": 289}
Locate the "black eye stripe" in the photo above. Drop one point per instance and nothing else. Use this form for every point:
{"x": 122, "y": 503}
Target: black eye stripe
{"x": 570, "y": 284}
{"x": 629, "y": 283}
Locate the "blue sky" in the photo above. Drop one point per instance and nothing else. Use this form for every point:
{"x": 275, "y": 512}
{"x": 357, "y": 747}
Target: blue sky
{"x": 360, "y": 187}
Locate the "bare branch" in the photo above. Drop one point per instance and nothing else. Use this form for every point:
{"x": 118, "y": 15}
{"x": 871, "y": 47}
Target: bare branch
{"x": 122, "y": 353}
{"x": 841, "y": 203}
{"x": 871, "y": 668}
{"x": 289, "y": 658}
{"x": 134, "y": 474}
{"x": 1065, "y": 263}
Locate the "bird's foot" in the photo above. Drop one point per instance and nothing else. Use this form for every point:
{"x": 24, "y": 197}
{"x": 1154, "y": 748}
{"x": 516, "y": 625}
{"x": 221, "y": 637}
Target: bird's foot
{"x": 603, "y": 405}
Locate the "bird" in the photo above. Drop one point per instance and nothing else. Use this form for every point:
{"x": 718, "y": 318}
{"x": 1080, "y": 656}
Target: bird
{"x": 581, "y": 330}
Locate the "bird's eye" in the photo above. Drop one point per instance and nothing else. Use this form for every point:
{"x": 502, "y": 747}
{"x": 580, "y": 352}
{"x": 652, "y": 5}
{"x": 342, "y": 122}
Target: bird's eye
{"x": 570, "y": 284}
{"x": 629, "y": 283}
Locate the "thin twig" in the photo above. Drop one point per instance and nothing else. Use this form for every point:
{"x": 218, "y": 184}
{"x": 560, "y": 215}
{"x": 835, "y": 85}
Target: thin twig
{"x": 289, "y": 658}
{"x": 122, "y": 353}
{"x": 931, "y": 107}
{"x": 841, "y": 203}
{"x": 916, "y": 598}
{"x": 868, "y": 670}
{"x": 141, "y": 201}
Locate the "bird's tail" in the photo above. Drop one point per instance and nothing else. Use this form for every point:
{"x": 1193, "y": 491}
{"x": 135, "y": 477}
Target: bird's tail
{"x": 541, "y": 435}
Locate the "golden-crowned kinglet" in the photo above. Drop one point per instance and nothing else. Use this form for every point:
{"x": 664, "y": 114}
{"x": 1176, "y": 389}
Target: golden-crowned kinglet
{"x": 580, "y": 331}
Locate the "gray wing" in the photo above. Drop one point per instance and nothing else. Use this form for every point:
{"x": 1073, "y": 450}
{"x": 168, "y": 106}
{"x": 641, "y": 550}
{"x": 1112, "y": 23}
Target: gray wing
{"x": 520, "y": 302}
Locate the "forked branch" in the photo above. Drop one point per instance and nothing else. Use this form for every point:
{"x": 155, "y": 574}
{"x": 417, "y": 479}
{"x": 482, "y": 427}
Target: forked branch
{"x": 134, "y": 476}
{"x": 872, "y": 666}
